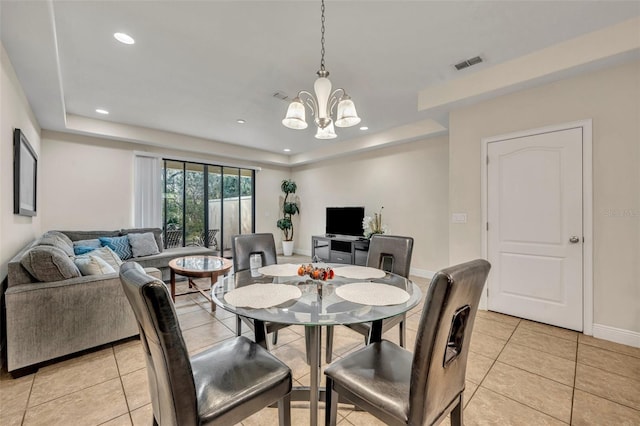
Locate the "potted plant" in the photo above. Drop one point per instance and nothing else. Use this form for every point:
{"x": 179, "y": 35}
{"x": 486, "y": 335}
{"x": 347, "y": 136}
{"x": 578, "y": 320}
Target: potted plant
{"x": 289, "y": 208}
{"x": 373, "y": 225}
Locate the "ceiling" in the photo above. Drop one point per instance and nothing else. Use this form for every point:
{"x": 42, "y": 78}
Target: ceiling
{"x": 198, "y": 66}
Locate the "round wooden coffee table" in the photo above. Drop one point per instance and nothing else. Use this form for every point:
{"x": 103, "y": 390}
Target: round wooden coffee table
{"x": 198, "y": 267}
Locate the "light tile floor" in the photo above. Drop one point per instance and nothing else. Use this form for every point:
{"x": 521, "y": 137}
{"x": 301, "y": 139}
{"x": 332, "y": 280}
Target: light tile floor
{"x": 519, "y": 373}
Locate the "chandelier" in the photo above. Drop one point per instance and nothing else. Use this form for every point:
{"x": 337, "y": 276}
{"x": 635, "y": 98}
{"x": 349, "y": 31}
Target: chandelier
{"x": 323, "y": 104}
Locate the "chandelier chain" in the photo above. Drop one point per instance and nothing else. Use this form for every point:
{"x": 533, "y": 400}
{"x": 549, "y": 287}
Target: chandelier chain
{"x": 323, "y": 104}
{"x": 322, "y": 39}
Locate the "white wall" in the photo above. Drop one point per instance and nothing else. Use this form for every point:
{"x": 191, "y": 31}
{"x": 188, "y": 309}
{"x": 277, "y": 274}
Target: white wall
{"x": 409, "y": 180}
{"x": 268, "y": 201}
{"x": 86, "y": 186}
{"x": 611, "y": 98}
{"x": 15, "y": 231}
{"x": 88, "y": 183}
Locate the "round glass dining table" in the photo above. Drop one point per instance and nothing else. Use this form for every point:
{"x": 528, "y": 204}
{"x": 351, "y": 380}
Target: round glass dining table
{"x": 318, "y": 305}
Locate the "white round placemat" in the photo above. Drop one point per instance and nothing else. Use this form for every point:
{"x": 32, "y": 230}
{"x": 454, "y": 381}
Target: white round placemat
{"x": 374, "y": 294}
{"x": 279, "y": 270}
{"x": 259, "y": 296}
{"x": 359, "y": 272}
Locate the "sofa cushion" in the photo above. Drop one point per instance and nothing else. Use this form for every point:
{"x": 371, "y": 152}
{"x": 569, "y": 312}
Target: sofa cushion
{"x": 85, "y": 246}
{"x": 93, "y": 265}
{"x": 161, "y": 260}
{"x": 55, "y": 240}
{"x": 61, "y": 236}
{"x": 157, "y": 234}
{"x": 48, "y": 263}
{"x": 120, "y": 245}
{"x": 143, "y": 244}
{"x": 89, "y": 235}
{"x": 109, "y": 256}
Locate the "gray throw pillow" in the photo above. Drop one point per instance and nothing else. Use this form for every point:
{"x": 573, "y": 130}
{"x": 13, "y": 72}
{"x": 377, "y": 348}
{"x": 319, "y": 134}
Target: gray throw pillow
{"x": 47, "y": 263}
{"x": 157, "y": 233}
{"x": 60, "y": 235}
{"x": 55, "y": 240}
{"x": 143, "y": 244}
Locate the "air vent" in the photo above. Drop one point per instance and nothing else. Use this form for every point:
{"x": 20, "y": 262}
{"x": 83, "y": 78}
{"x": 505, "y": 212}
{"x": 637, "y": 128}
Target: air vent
{"x": 466, "y": 64}
{"x": 281, "y": 95}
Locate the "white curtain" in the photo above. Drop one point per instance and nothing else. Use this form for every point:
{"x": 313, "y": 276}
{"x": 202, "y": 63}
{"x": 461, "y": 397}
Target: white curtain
{"x": 147, "y": 191}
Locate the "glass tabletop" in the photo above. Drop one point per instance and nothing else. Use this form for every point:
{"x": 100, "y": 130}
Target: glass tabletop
{"x": 319, "y": 304}
{"x": 200, "y": 263}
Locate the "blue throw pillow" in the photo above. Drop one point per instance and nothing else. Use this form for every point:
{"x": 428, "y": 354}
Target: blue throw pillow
{"x": 79, "y": 250}
{"x": 120, "y": 245}
{"x": 81, "y": 247}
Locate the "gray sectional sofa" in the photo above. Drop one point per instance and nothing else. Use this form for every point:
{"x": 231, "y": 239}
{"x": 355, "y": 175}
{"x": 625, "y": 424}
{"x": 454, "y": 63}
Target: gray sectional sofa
{"x": 47, "y": 319}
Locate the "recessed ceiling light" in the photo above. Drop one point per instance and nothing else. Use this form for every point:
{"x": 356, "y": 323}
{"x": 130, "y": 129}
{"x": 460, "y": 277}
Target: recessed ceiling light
{"x": 240, "y": 121}
{"x": 102, "y": 111}
{"x": 286, "y": 150}
{"x": 124, "y": 38}
{"x": 364, "y": 128}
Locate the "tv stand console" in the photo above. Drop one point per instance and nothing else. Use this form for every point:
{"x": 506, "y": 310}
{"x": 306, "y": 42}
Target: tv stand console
{"x": 340, "y": 249}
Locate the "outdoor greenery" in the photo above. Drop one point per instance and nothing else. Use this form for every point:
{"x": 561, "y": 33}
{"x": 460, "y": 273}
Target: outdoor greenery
{"x": 194, "y": 203}
{"x": 289, "y": 208}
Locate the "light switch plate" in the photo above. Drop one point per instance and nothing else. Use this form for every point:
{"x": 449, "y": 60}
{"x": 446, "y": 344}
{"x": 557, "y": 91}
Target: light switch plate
{"x": 458, "y": 218}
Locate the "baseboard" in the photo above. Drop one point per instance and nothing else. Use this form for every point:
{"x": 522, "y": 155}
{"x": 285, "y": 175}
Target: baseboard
{"x": 618, "y": 335}
{"x": 302, "y": 252}
{"x": 423, "y": 273}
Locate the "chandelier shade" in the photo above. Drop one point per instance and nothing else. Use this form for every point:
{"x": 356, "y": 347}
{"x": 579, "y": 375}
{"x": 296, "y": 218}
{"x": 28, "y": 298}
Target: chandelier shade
{"x": 327, "y": 132}
{"x": 295, "y": 118}
{"x": 323, "y": 104}
{"x": 347, "y": 115}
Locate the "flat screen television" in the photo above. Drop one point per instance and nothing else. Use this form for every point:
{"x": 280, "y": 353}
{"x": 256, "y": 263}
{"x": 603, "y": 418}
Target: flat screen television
{"x": 345, "y": 221}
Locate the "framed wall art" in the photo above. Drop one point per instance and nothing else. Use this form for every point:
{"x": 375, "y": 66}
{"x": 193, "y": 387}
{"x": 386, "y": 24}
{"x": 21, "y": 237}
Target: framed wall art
{"x": 25, "y": 173}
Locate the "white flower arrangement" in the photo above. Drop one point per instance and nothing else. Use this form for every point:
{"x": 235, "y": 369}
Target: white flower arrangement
{"x": 373, "y": 225}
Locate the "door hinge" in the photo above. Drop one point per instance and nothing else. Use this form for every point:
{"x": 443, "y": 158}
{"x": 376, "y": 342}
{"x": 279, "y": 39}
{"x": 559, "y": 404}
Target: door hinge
{"x": 487, "y": 159}
{"x": 487, "y": 226}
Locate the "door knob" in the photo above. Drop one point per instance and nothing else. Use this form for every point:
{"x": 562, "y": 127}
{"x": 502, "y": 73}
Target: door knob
{"x": 574, "y": 239}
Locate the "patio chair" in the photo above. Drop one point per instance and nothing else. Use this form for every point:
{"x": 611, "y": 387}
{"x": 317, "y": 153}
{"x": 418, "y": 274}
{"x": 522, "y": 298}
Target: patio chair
{"x": 174, "y": 238}
{"x": 212, "y": 239}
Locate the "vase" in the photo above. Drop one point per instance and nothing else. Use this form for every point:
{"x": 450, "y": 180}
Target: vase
{"x": 287, "y": 248}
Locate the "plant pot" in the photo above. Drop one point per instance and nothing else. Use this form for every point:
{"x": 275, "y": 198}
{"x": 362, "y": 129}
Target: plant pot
{"x": 287, "y": 248}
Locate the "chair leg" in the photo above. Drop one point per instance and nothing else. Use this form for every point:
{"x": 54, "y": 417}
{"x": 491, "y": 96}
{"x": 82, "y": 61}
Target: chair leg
{"x": 329, "y": 353}
{"x": 284, "y": 411}
{"x": 331, "y": 404}
{"x": 403, "y": 332}
{"x": 238, "y": 326}
{"x": 456, "y": 414}
{"x": 274, "y": 338}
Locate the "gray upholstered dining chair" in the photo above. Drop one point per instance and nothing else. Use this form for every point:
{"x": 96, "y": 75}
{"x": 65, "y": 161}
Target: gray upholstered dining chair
{"x": 390, "y": 253}
{"x": 420, "y": 389}
{"x": 243, "y": 247}
{"x": 222, "y": 385}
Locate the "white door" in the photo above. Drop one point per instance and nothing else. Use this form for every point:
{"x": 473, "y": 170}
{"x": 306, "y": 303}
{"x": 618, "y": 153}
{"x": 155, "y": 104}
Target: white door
{"x": 535, "y": 239}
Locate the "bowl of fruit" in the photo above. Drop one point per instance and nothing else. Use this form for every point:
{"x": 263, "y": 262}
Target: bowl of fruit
{"x": 315, "y": 272}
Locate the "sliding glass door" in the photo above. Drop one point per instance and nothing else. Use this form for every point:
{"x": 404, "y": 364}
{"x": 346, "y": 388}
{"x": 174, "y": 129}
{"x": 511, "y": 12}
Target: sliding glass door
{"x": 206, "y": 204}
{"x": 173, "y": 214}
